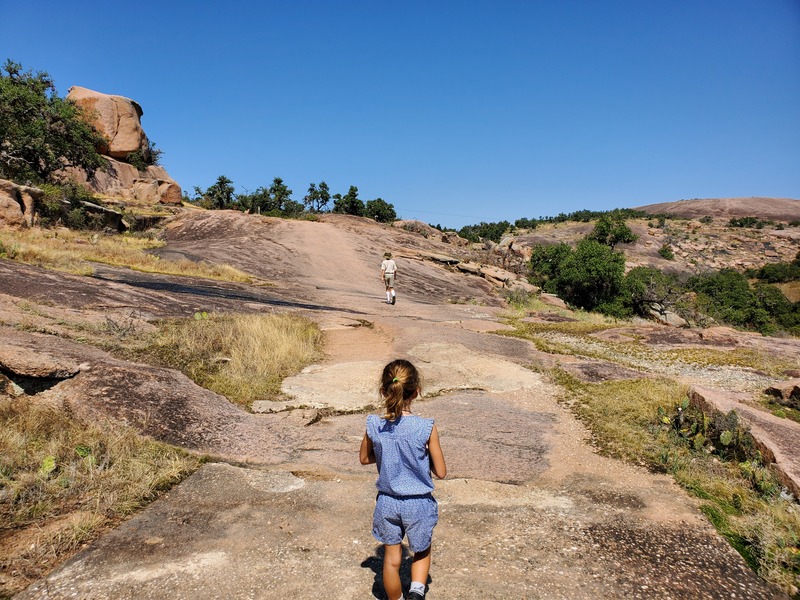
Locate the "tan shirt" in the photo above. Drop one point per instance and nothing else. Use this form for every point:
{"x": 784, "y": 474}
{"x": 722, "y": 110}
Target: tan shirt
{"x": 388, "y": 267}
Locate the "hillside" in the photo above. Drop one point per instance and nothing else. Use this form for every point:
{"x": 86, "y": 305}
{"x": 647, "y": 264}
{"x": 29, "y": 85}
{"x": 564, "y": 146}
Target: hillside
{"x": 777, "y": 209}
{"x": 697, "y": 246}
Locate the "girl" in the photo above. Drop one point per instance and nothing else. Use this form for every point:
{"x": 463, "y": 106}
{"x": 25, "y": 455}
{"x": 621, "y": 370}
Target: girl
{"x": 406, "y": 449}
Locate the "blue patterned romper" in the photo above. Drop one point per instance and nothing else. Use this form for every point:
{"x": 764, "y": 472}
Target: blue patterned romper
{"x": 405, "y": 505}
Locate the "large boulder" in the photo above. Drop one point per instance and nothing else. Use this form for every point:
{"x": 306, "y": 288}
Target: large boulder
{"x": 122, "y": 180}
{"x": 117, "y": 118}
{"x": 18, "y": 204}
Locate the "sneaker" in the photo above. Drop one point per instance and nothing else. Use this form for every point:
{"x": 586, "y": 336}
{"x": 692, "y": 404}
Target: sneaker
{"x": 393, "y": 299}
{"x": 415, "y": 596}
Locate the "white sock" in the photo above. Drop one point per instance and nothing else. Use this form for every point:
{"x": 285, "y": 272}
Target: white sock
{"x": 418, "y": 587}
{"x": 393, "y": 293}
{"x": 388, "y": 297}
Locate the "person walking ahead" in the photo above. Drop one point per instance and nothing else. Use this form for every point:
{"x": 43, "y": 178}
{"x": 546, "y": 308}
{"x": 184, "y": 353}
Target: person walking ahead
{"x": 406, "y": 449}
{"x": 389, "y": 276}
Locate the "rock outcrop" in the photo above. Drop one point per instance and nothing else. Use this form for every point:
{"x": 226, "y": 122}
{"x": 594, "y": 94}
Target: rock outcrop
{"x": 18, "y": 204}
{"x": 118, "y": 119}
{"x": 431, "y": 233}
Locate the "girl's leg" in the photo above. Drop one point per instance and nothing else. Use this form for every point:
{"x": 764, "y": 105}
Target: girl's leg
{"x": 392, "y": 557}
{"x": 420, "y": 566}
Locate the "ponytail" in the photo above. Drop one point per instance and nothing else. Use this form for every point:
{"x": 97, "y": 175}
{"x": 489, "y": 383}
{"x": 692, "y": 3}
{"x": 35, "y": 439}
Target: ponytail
{"x": 400, "y": 381}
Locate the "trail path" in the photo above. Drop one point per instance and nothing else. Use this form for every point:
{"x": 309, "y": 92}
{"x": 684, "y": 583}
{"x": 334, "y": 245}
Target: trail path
{"x": 528, "y": 510}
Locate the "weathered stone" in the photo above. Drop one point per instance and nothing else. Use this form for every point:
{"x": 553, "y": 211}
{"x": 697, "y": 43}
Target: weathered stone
{"x": 786, "y": 393}
{"x": 668, "y": 318}
{"x": 18, "y": 204}
{"x": 122, "y": 180}
{"x": 117, "y": 118}
{"x": 419, "y": 227}
{"x": 521, "y": 284}
{"x": 497, "y": 276}
{"x": 111, "y": 218}
{"x": 553, "y": 300}
{"x": 469, "y": 267}
{"x": 440, "y": 258}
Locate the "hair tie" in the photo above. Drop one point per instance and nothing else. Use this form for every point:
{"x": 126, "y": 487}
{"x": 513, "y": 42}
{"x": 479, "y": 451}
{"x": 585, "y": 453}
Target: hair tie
{"x": 395, "y": 379}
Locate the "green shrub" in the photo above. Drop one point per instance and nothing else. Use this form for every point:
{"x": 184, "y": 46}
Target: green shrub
{"x": 41, "y": 132}
{"x": 145, "y": 157}
{"x": 666, "y": 252}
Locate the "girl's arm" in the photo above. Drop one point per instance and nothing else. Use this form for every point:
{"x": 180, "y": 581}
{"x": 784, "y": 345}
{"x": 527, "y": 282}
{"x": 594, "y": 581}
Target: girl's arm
{"x": 437, "y": 457}
{"x": 367, "y": 452}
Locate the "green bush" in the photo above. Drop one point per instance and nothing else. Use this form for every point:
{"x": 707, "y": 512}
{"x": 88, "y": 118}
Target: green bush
{"x": 41, "y": 132}
{"x": 483, "y": 230}
{"x": 63, "y": 204}
{"x": 666, "y": 252}
{"x": 728, "y": 297}
{"x": 645, "y": 287}
{"x": 145, "y": 157}
{"x": 591, "y": 277}
{"x": 380, "y": 210}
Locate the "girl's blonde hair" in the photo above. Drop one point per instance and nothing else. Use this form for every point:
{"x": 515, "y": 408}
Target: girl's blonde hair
{"x": 400, "y": 381}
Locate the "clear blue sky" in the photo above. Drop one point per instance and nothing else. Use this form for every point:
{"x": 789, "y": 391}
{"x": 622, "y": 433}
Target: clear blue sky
{"x": 454, "y": 111}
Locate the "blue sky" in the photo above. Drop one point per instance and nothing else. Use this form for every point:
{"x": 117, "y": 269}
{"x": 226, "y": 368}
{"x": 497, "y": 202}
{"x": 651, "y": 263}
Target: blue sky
{"x": 454, "y": 111}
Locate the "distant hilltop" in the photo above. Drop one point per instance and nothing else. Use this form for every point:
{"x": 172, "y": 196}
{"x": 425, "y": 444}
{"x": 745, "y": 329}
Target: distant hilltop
{"x": 776, "y": 209}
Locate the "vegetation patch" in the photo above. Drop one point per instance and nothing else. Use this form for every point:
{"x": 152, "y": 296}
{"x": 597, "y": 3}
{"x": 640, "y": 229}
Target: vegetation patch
{"x": 650, "y": 423}
{"x": 73, "y": 252}
{"x": 243, "y": 357}
{"x": 63, "y": 481}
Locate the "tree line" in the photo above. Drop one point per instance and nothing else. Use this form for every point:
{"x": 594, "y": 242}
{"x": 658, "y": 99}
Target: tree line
{"x": 276, "y": 200}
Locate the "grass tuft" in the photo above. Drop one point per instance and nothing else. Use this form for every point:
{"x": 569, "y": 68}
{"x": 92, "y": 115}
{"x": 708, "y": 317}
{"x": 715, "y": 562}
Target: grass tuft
{"x": 742, "y": 496}
{"x": 62, "y": 481}
{"x": 243, "y": 357}
{"x": 73, "y": 251}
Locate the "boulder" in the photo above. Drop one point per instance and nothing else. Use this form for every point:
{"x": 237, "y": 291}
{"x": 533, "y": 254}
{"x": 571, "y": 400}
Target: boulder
{"x": 122, "y": 180}
{"x": 439, "y": 258}
{"x": 553, "y": 300}
{"x": 786, "y": 393}
{"x": 497, "y": 276}
{"x": 112, "y": 219}
{"x": 469, "y": 267}
{"x": 18, "y": 204}
{"x": 117, "y": 118}
{"x": 524, "y": 286}
{"x": 451, "y": 237}
{"x": 667, "y": 317}
{"x": 419, "y": 227}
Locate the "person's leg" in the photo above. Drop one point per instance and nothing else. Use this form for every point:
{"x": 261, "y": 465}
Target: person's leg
{"x": 420, "y": 566}
{"x": 392, "y": 557}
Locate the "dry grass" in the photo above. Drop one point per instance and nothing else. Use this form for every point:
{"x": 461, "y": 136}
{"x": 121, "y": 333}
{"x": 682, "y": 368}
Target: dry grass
{"x": 73, "y": 251}
{"x": 63, "y": 481}
{"x": 573, "y": 338}
{"x": 742, "y": 500}
{"x": 243, "y": 357}
{"x": 791, "y": 290}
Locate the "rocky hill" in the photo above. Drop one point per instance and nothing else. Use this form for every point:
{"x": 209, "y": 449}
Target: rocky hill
{"x": 777, "y": 209}
{"x": 698, "y": 246}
